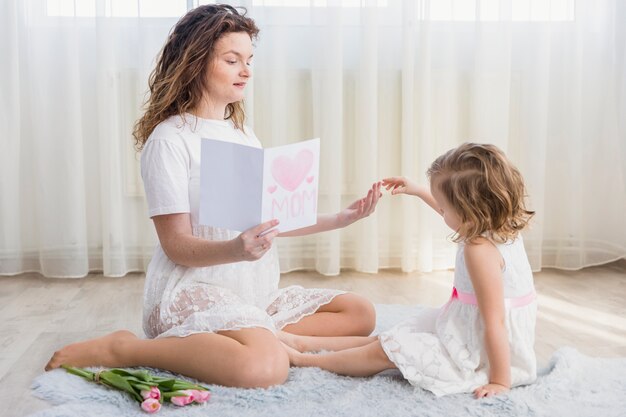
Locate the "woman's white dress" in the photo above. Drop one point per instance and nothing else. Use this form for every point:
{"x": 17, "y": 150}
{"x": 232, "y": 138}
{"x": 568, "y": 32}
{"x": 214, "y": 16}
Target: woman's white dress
{"x": 179, "y": 300}
{"x": 442, "y": 349}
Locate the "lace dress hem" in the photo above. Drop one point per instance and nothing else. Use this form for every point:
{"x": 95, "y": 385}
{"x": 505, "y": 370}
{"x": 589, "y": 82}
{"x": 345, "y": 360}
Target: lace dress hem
{"x": 319, "y": 303}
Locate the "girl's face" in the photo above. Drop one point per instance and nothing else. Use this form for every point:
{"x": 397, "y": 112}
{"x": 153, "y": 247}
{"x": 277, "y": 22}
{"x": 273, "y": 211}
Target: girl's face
{"x": 230, "y": 70}
{"x": 449, "y": 213}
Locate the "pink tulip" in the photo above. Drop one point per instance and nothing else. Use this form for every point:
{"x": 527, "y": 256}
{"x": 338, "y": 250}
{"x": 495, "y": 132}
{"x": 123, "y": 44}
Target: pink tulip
{"x": 151, "y": 405}
{"x": 153, "y": 393}
{"x": 201, "y": 396}
{"x": 186, "y": 397}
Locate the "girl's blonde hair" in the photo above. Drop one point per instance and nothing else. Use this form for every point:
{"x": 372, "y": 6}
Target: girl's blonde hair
{"x": 179, "y": 78}
{"x": 485, "y": 189}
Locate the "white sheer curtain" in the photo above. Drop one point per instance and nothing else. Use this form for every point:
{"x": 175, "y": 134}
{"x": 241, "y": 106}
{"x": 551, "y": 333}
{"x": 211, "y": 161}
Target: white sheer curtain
{"x": 387, "y": 85}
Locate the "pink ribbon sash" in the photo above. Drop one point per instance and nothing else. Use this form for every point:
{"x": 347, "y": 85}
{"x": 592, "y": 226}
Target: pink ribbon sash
{"x": 514, "y": 302}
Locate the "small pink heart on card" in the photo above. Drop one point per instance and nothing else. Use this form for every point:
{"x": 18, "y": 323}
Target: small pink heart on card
{"x": 271, "y": 189}
{"x": 290, "y": 172}
{"x": 310, "y": 179}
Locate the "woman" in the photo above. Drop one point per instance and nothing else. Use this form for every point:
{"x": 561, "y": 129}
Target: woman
{"x": 212, "y": 306}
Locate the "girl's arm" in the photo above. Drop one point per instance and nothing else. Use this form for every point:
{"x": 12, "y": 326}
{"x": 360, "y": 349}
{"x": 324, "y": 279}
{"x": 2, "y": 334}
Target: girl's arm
{"x": 484, "y": 265}
{"x": 183, "y": 248}
{"x": 356, "y": 211}
{"x": 401, "y": 185}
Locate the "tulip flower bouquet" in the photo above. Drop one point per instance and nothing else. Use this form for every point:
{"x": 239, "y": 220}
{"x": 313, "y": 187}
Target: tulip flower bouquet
{"x": 149, "y": 390}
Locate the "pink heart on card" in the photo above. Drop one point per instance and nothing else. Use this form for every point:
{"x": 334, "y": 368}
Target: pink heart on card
{"x": 290, "y": 172}
{"x": 271, "y": 189}
{"x": 310, "y": 179}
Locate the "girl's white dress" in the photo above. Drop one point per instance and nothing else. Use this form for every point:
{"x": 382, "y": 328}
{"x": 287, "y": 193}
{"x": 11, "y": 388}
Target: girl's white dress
{"x": 179, "y": 300}
{"x": 442, "y": 349}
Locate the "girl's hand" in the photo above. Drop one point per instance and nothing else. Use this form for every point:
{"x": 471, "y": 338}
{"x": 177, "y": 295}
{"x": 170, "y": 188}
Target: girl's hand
{"x": 360, "y": 208}
{"x": 253, "y": 243}
{"x": 401, "y": 185}
{"x": 490, "y": 390}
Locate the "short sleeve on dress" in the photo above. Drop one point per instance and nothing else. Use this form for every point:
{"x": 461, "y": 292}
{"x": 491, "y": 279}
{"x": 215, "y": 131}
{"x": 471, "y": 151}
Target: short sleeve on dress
{"x": 165, "y": 174}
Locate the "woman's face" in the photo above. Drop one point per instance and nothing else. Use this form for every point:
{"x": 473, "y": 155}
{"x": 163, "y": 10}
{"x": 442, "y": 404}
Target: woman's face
{"x": 230, "y": 70}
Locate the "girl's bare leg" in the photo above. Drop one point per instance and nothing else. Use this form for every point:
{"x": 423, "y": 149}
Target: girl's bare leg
{"x": 317, "y": 343}
{"x": 241, "y": 358}
{"x": 364, "y": 360}
{"x": 346, "y": 315}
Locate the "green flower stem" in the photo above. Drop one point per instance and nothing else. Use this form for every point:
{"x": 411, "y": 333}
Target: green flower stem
{"x": 169, "y": 395}
{"x": 141, "y": 387}
{"x": 80, "y": 372}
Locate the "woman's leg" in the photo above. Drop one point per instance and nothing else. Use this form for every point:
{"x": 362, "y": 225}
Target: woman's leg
{"x": 346, "y": 315}
{"x": 317, "y": 343}
{"x": 241, "y": 358}
{"x": 364, "y": 360}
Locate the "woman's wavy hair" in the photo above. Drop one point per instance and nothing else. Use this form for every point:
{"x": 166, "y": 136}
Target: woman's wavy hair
{"x": 177, "y": 82}
{"x": 486, "y": 190}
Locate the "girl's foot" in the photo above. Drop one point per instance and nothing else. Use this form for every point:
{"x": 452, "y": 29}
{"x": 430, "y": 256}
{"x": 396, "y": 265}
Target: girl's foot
{"x": 292, "y": 340}
{"x": 103, "y": 351}
{"x": 294, "y": 355}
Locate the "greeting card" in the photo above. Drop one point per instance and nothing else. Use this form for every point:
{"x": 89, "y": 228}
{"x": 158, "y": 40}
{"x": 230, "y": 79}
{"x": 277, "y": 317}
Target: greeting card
{"x": 242, "y": 186}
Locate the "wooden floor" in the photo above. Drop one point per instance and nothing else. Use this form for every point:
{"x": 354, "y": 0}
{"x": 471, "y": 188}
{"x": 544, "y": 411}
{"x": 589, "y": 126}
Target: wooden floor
{"x": 585, "y": 309}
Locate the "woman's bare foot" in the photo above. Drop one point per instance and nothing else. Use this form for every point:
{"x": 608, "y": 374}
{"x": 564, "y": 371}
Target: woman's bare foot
{"x": 292, "y": 340}
{"x": 103, "y": 351}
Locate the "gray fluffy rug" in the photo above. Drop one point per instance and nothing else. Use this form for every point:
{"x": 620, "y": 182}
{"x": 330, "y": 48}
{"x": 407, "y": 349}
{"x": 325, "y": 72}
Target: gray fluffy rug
{"x": 571, "y": 385}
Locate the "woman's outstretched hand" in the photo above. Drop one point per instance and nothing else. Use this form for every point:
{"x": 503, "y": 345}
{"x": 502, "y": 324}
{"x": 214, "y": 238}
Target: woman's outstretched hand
{"x": 253, "y": 243}
{"x": 361, "y": 208}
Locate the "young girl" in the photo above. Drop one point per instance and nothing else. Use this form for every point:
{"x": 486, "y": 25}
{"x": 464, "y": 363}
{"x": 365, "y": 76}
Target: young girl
{"x": 482, "y": 340}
